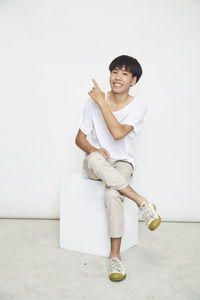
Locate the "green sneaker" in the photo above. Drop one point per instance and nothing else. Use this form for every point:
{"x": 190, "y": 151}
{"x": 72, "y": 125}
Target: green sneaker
{"x": 151, "y": 218}
{"x": 116, "y": 269}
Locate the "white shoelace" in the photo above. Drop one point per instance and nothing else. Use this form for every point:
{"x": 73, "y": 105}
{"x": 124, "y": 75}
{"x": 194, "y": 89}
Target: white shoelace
{"x": 115, "y": 265}
{"x": 148, "y": 212}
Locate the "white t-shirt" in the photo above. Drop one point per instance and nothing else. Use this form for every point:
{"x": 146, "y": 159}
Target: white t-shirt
{"x": 92, "y": 124}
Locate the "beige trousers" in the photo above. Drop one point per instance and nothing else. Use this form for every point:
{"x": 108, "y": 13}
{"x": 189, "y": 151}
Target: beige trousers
{"x": 116, "y": 175}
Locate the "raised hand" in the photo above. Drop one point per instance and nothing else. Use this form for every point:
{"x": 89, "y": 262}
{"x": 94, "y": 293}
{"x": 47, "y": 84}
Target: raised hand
{"x": 96, "y": 93}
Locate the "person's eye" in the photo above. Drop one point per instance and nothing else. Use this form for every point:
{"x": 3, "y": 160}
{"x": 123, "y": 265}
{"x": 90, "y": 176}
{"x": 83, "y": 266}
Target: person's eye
{"x": 125, "y": 73}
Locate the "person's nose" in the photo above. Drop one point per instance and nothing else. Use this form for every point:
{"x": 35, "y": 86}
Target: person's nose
{"x": 118, "y": 76}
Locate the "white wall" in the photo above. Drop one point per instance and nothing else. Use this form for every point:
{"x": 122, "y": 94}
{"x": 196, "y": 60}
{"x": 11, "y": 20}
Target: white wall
{"x": 49, "y": 52}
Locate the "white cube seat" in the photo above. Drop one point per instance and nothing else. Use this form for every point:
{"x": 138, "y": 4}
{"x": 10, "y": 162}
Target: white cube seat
{"x": 83, "y": 221}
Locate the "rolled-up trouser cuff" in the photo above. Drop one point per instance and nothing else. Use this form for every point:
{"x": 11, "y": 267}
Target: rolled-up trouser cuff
{"x": 120, "y": 187}
{"x": 114, "y": 236}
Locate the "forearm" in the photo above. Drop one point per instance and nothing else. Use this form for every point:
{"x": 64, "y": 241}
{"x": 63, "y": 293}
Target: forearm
{"x": 84, "y": 145}
{"x": 112, "y": 123}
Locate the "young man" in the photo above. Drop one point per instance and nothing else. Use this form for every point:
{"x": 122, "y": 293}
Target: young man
{"x": 112, "y": 121}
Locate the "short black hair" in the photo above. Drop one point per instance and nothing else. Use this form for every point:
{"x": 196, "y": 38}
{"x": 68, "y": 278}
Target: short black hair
{"x": 131, "y": 65}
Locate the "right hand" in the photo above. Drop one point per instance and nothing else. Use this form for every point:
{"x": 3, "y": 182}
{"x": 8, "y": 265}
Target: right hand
{"x": 104, "y": 152}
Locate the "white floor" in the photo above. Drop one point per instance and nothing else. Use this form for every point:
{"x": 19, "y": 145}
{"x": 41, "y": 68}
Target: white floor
{"x": 164, "y": 265}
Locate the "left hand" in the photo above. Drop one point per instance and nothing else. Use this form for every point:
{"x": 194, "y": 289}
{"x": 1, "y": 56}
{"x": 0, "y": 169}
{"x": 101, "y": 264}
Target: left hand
{"x": 96, "y": 93}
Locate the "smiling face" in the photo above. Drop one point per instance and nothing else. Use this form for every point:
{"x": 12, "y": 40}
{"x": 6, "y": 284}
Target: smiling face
{"x": 121, "y": 80}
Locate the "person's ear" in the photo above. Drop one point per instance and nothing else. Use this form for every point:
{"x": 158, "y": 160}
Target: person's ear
{"x": 133, "y": 80}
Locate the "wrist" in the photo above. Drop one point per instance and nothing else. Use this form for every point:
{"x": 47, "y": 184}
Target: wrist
{"x": 101, "y": 101}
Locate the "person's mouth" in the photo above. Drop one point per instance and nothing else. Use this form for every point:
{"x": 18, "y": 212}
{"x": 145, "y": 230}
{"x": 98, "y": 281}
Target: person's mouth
{"x": 117, "y": 84}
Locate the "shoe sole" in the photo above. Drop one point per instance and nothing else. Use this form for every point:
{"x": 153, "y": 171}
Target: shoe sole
{"x": 155, "y": 223}
{"x": 113, "y": 277}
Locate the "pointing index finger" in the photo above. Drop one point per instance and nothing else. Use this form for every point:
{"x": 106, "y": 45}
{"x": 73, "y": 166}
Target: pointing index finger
{"x": 95, "y": 83}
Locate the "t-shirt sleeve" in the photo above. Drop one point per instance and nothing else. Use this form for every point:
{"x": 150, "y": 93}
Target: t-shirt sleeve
{"x": 135, "y": 118}
{"x": 84, "y": 119}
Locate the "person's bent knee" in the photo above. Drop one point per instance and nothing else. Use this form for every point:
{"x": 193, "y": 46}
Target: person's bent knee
{"x": 93, "y": 158}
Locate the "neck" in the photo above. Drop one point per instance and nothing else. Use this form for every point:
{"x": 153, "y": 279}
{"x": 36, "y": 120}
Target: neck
{"x": 118, "y": 98}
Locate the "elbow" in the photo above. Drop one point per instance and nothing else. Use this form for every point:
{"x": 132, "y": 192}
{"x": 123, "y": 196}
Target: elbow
{"x": 77, "y": 140}
{"x": 80, "y": 138}
{"x": 117, "y": 137}
{"x": 118, "y": 134}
